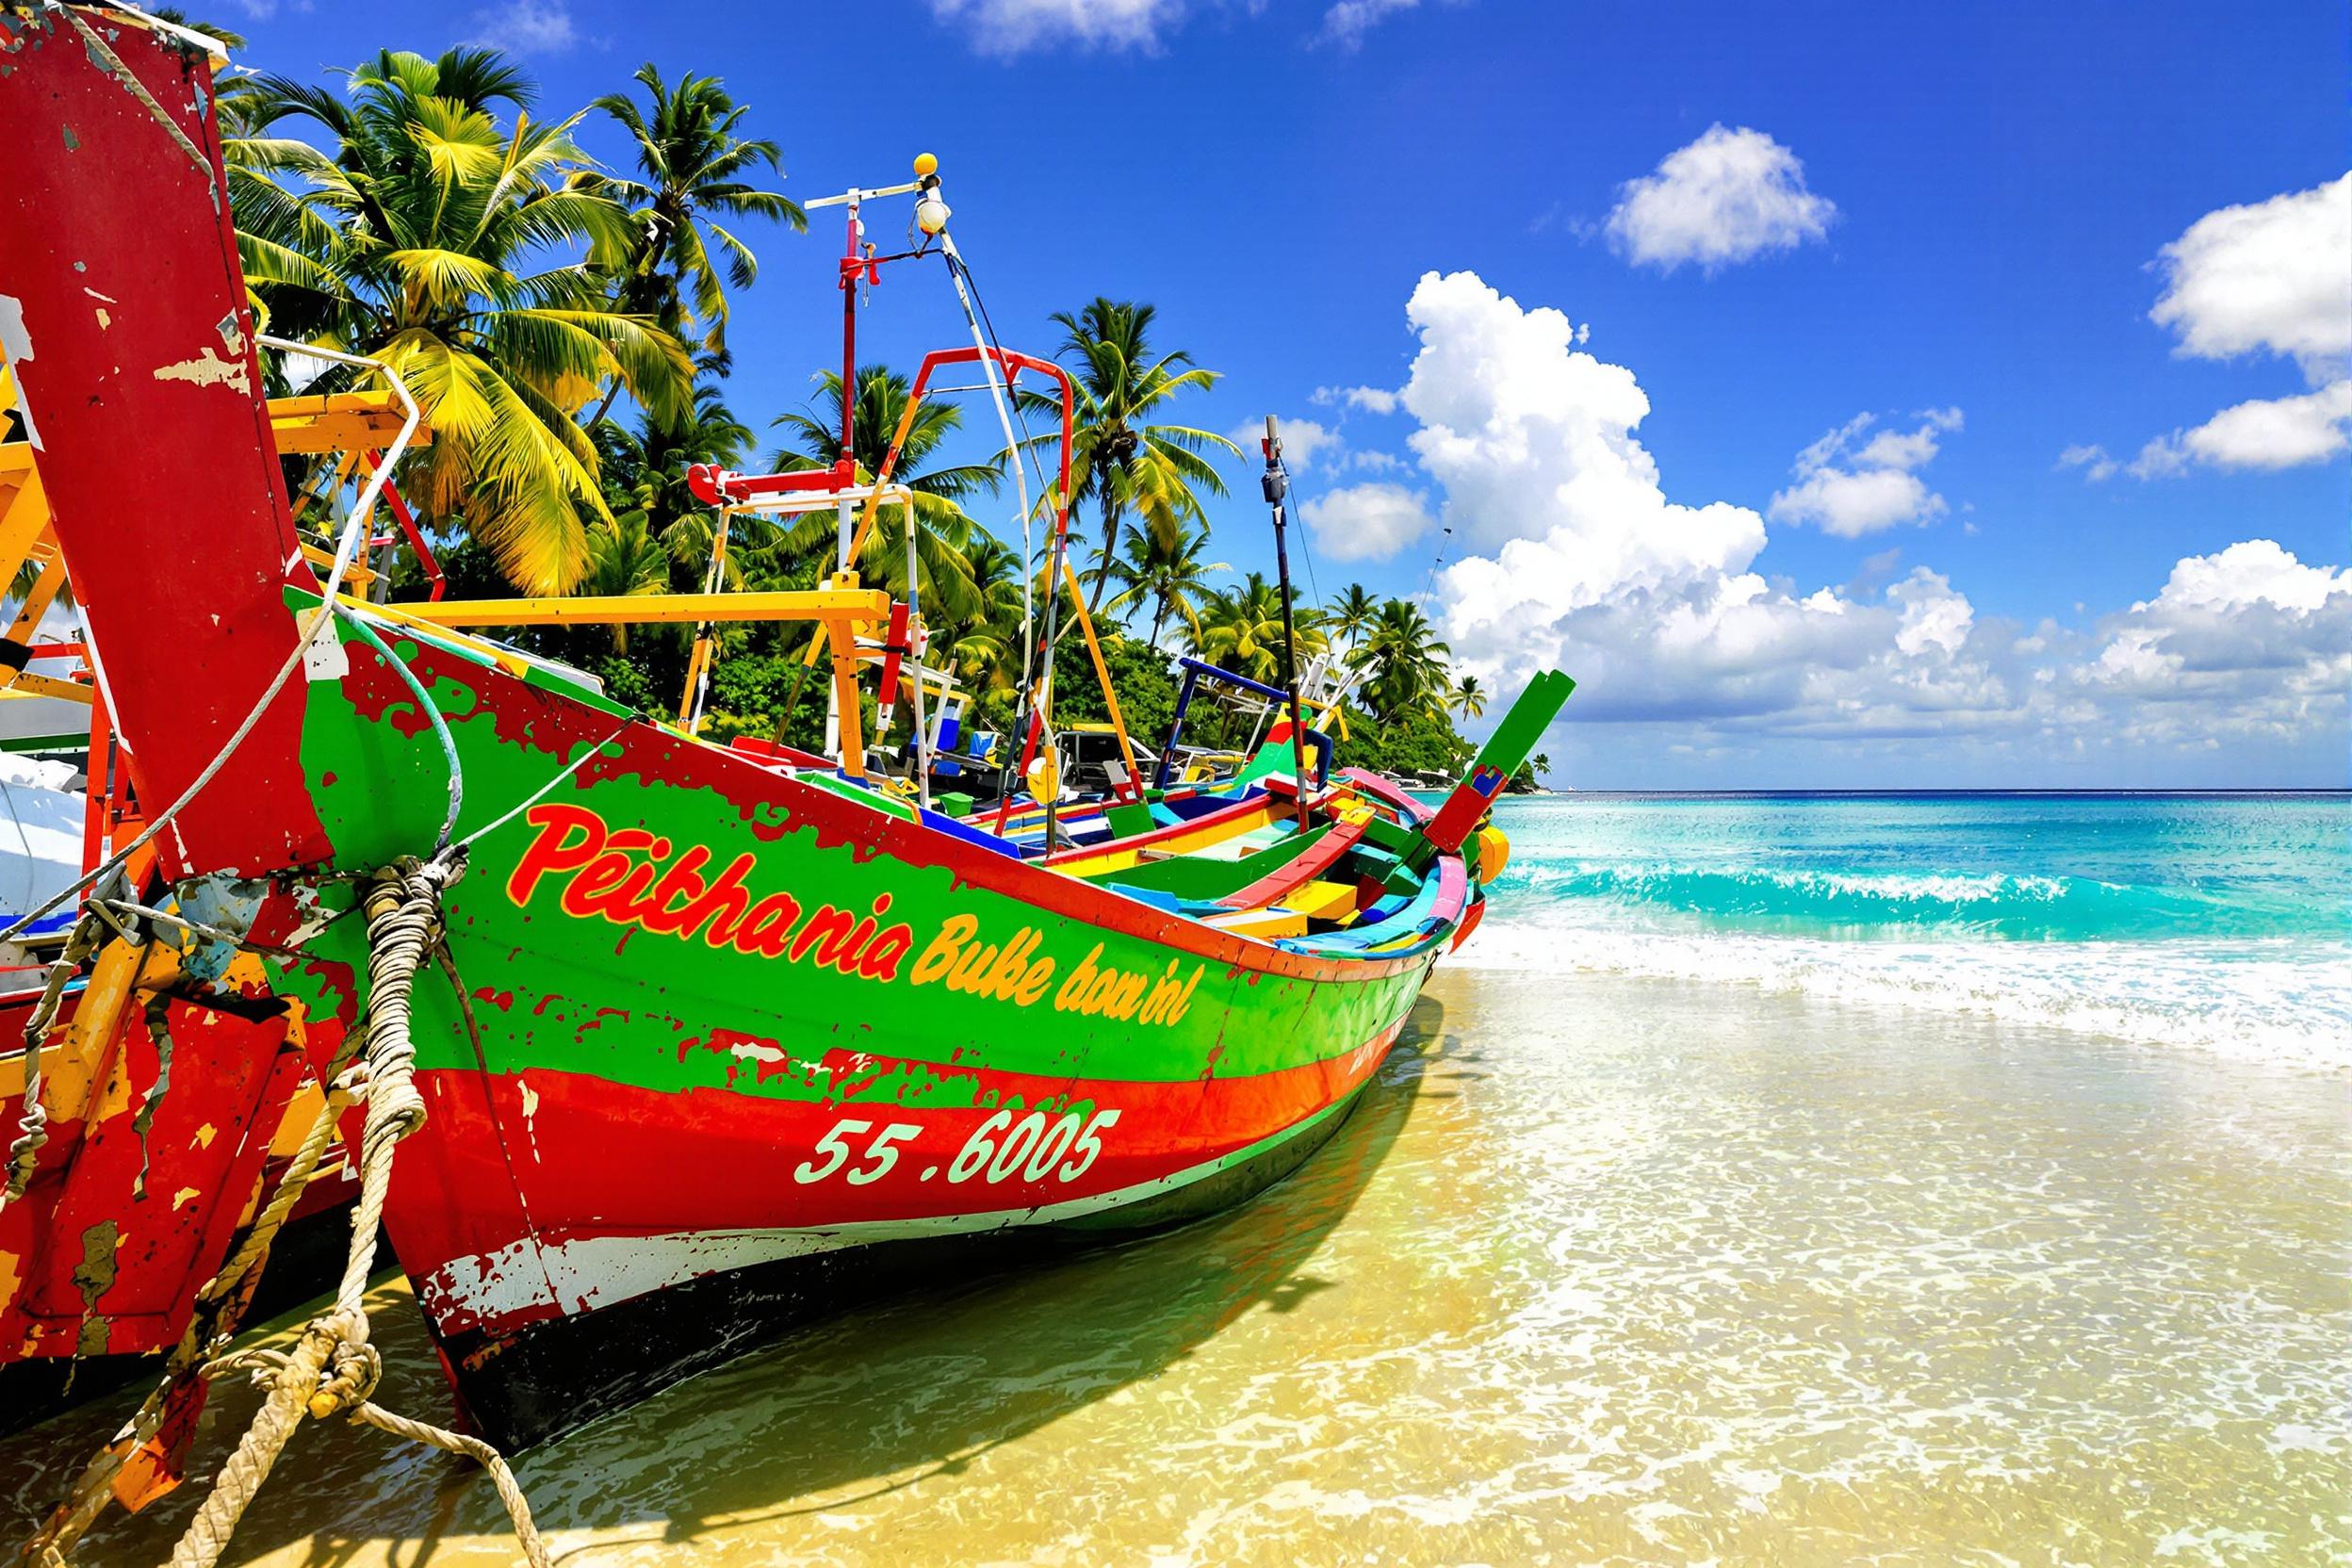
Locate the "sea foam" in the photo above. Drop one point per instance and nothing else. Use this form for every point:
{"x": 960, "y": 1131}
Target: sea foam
{"x": 2215, "y": 922}
{"x": 2271, "y": 1001}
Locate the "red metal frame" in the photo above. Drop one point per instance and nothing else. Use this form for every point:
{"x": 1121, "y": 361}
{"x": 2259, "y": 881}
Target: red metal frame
{"x": 401, "y": 514}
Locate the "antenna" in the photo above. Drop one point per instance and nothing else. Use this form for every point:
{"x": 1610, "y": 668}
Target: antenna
{"x": 1274, "y": 481}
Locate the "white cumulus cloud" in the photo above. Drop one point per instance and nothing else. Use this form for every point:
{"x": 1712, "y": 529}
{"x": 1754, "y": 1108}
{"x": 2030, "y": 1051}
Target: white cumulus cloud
{"x": 1365, "y": 522}
{"x": 2247, "y": 641}
{"x": 1579, "y": 561}
{"x": 1851, "y": 487}
{"x": 1015, "y": 27}
{"x": 1728, "y": 197}
{"x": 2273, "y": 276}
{"x": 2265, "y": 432}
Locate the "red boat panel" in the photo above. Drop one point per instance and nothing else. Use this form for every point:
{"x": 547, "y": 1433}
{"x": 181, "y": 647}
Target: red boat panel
{"x": 121, "y": 310}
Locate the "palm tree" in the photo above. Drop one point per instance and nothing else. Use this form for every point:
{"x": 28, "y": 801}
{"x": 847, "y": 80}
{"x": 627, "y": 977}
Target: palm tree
{"x": 228, "y": 38}
{"x": 1174, "y": 577}
{"x": 983, "y": 646}
{"x": 945, "y": 535}
{"x": 1121, "y": 460}
{"x": 624, "y": 558}
{"x": 1242, "y": 630}
{"x": 693, "y": 164}
{"x": 1468, "y": 697}
{"x": 645, "y": 469}
{"x": 1354, "y": 615}
{"x": 454, "y": 250}
{"x": 1406, "y": 661}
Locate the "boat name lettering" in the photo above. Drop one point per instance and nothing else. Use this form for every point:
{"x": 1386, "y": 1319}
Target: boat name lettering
{"x": 618, "y": 876}
{"x": 627, "y": 877}
{"x": 1012, "y": 971}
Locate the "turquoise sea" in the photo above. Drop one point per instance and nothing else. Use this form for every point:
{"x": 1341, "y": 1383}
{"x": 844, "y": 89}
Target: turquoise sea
{"x": 2214, "y": 921}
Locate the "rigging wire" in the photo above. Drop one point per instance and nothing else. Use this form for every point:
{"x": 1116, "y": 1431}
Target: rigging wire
{"x": 1030, "y": 650}
{"x": 354, "y": 530}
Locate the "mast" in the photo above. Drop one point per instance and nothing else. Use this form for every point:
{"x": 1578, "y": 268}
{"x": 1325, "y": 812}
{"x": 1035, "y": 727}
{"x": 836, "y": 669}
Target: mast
{"x": 1276, "y": 482}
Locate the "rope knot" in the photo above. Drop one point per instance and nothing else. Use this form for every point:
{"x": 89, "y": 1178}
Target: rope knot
{"x": 353, "y": 1370}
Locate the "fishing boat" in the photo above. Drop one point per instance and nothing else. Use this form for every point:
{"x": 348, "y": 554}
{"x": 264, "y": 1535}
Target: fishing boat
{"x": 701, "y": 1030}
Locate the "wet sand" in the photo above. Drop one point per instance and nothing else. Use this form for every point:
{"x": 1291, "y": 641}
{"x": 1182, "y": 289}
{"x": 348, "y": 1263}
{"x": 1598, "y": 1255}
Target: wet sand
{"x": 1601, "y": 1271}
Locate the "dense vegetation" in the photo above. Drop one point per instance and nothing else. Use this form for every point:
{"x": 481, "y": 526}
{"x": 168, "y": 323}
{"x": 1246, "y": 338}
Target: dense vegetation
{"x": 564, "y": 328}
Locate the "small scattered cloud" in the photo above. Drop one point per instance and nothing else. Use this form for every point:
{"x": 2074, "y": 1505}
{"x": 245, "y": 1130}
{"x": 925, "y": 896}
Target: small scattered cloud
{"x": 1306, "y": 444}
{"x": 1848, "y": 487}
{"x": 1008, "y": 27}
{"x": 2093, "y": 460}
{"x": 1345, "y": 23}
{"x": 526, "y": 28}
{"x": 1365, "y": 522}
{"x": 2264, "y": 432}
{"x": 2271, "y": 277}
{"x": 1370, "y": 400}
{"x": 1729, "y": 197}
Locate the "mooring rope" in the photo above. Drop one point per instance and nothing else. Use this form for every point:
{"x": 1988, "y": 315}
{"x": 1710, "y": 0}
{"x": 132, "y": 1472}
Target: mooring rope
{"x": 32, "y": 1123}
{"x": 333, "y": 1368}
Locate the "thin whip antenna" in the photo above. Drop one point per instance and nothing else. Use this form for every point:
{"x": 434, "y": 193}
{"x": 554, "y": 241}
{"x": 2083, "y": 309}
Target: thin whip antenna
{"x": 1004, "y": 420}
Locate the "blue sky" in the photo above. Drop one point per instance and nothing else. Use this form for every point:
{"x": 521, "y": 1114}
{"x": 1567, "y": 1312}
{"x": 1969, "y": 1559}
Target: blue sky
{"x": 1765, "y": 223}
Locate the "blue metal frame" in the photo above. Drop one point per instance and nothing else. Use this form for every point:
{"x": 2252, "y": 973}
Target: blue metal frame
{"x": 1194, "y": 670}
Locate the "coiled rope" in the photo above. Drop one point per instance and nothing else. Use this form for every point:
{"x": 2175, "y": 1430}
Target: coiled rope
{"x": 333, "y": 1368}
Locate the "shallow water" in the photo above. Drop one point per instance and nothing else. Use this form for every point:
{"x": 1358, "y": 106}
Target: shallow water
{"x": 2219, "y": 922}
{"x": 1601, "y": 1271}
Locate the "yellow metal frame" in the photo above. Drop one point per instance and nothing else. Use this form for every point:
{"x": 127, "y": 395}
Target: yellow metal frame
{"x": 350, "y": 422}
{"x": 820, "y": 604}
{"x": 839, "y": 609}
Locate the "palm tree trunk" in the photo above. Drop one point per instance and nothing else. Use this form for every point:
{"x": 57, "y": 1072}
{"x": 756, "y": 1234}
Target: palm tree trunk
{"x": 1159, "y": 620}
{"x": 1103, "y": 568}
{"x": 605, "y": 407}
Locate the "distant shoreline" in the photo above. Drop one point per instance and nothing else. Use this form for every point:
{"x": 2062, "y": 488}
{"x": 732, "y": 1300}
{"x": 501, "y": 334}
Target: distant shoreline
{"x": 2259, "y": 793}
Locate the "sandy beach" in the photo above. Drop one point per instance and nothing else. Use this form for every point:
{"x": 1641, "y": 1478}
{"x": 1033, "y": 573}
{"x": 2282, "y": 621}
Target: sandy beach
{"x": 1602, "y": 1271}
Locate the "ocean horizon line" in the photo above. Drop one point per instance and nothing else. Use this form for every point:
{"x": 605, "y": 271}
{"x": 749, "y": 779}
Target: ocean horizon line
{"x": 2209, "y": 792}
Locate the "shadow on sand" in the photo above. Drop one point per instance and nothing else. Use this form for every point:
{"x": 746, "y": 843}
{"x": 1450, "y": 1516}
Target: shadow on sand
{"x": 896, "y": 1394}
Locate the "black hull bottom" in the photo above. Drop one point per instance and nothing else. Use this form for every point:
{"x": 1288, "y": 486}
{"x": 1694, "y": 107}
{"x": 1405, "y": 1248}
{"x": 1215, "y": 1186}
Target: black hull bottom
{"x": 536, "y": 1384}
{"x": 304, "y": 1260}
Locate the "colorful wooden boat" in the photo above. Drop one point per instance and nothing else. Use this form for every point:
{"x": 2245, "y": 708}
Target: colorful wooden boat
{"x": 721, "y": 1028}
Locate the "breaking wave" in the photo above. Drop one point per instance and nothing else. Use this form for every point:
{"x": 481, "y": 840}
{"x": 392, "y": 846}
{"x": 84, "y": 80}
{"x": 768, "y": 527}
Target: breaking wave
{"x": 1988, "y": 905}
{"x": 2216, "y": 923}
{"x": 2271, "y": 1001}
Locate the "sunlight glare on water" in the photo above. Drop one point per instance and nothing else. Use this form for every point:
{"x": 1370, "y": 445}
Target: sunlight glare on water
{"x": 1602, "y": 1270}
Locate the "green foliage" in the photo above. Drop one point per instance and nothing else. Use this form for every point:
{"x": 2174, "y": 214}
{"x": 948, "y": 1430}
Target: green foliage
{"x": 475, "y": 257}
{"x": 1123, "y": 461}
{"x": 693, "y": 162}
{"x": 1418, "y": 740}
{"x": 1139, "y": 673}
{"x": 1241, "y": 631}
{"x": 1405, "y": 663}
{"x": 1171, "y": 574}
